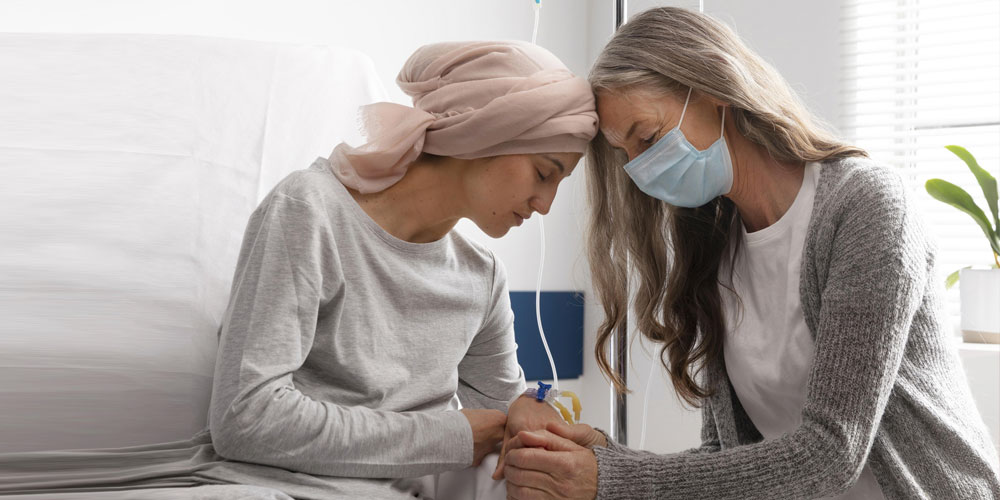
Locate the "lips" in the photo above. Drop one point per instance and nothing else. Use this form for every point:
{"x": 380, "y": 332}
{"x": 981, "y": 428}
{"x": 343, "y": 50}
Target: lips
{"x": 520, "y": 218}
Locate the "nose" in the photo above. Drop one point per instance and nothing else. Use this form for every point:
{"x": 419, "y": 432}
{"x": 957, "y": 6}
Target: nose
{"x": 543, "y": 202}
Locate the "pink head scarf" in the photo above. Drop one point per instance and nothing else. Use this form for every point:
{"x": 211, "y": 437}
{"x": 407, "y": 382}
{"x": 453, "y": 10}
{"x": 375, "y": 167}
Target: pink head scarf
{"x": 470, "y": 100}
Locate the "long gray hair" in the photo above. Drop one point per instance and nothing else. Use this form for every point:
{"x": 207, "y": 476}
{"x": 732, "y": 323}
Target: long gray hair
{"x": 676, "y": 252}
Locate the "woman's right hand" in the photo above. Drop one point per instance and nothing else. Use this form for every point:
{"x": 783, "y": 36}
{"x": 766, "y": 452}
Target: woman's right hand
{"x": 487, "y": 431}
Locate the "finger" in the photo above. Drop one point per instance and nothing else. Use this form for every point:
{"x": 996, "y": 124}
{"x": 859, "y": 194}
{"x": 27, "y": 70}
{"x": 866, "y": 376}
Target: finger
{"x": 526, "y": 493}
{"x": 537, "y": 459}
{"x": 581, "y": 434}
{"x": 530, "y": 439}
{"x": 547, "y": 440}
{"x": 498, "y": 472}
{"x": 530, "y": 478}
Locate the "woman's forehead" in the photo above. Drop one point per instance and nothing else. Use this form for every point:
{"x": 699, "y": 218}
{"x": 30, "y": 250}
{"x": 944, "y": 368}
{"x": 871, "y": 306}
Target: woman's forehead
{"x": 619, "y": 114}
{"x": 620, "y": 109}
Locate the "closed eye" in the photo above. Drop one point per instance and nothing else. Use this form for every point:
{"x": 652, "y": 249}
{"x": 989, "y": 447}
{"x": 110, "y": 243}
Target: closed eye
{"x": 540, "y": 176}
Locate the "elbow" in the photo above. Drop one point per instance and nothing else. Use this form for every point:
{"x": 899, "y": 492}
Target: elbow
{"x": 836, "y": 463}
{"x": 842, "y": 478}
{"x": 227, "y": 436}
{"x": 842, "y": 470}
{"x": 225, "y": 446}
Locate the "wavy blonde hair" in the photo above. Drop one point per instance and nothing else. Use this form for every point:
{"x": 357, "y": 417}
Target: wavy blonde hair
{"x": 676, "y": 253}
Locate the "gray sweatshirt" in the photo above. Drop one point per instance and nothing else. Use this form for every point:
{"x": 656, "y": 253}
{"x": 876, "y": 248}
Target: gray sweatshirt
{"x": 345, "y": 350}
{"x": 886, "y": 386}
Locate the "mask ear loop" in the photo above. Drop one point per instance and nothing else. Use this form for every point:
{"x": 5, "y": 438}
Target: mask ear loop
{"x": 722, "y": 130}
{"x": 683, "y": 111}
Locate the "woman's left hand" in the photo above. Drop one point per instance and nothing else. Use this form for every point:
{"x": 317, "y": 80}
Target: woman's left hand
{"x": 547, "y": 464}
{"x": 525, "y": 414}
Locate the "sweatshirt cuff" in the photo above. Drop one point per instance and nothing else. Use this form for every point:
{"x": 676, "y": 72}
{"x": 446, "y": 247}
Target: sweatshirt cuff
{"x": 613, "y": 445}
{"x": 620, "y": 475}
{"x": 457, "y": 442}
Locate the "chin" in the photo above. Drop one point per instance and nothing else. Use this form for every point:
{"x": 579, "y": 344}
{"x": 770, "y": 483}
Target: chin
{"x": 495, "y": 231}
{"x": 498, "y": 232}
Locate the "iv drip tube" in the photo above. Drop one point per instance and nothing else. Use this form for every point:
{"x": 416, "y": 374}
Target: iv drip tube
{"x": 537, "y": 7}
{"x": 538, "y": 302}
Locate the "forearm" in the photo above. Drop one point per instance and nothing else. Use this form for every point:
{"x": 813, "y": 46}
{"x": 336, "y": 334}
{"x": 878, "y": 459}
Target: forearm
{"x": 796, "y": 466}
{"x": 285, "y": 428}
{"x": 491, "y": 394}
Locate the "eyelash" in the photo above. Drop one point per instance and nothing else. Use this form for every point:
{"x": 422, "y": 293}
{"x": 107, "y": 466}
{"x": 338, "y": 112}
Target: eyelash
{"x": 648, "y": 140}
{"x": 540, "y": 176}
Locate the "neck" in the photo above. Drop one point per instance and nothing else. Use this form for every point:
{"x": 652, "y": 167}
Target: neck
{"x": 422, "y": 206}
{"x": 763, "y": 187}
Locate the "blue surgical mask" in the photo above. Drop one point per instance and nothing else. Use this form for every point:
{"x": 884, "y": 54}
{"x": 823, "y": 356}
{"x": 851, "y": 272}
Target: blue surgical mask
{"x": 675, "y": 171}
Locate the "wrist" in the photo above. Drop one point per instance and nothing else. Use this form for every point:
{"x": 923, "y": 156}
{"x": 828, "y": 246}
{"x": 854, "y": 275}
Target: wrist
{"x": 545, "y": 393}
{"x": 530, "y": 402}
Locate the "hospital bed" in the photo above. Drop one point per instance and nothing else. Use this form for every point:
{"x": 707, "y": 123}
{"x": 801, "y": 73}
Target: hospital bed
{"x": 130, "y": 164}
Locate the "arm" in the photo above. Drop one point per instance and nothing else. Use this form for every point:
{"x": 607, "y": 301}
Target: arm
{"x": 877, "y": 271}
{"x": 489, "y": 375}
{"x": 287, "y": 270}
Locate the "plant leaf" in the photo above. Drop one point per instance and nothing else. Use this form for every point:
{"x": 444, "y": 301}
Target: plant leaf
{"x": 953, "y": 278}
{"x": 986, "y": 181}
{"x": 955, "y": 196}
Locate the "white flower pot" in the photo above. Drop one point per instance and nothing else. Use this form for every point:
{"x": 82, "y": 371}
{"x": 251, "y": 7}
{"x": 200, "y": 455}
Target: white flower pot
{"x": 979, "y": 291}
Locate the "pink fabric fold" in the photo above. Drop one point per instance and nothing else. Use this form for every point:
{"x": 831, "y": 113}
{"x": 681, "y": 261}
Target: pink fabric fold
{"x": 470, "y": 100}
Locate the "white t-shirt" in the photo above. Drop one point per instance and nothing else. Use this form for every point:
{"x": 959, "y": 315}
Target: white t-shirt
{"x": 768, "y": 348}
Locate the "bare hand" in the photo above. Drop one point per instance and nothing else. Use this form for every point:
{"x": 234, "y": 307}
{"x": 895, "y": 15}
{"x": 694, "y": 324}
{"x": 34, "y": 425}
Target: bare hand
{"x": 525, "y": 414}
{"x": 487, "y": 431}
{"x": 581, "y": 434}
{"x": 546, "y": 465}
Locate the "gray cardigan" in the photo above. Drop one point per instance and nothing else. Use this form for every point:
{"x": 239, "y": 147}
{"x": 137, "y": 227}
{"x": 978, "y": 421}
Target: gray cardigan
{"x": 886, "y": 386}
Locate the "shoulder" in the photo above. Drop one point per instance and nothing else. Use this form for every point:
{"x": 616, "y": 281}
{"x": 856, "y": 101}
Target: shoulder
{"x": 863, "y": 195}
{"x": 475, "y": 258}
{"x": 861, "y": 184}
{"x": 863, "y": 204}
{"x": 312, "y": 192}
{"x": 315, "y": 186}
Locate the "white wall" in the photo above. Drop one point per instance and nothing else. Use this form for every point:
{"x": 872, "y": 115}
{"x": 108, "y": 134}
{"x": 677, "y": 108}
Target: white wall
{"x": 386, "y": 30}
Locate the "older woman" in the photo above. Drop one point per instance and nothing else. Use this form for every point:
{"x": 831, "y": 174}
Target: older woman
{"x": 359, "y": 320}
{"x": 783, "y": 265}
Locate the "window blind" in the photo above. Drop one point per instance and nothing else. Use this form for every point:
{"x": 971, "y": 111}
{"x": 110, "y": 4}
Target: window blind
{"x": 918, "y": 75}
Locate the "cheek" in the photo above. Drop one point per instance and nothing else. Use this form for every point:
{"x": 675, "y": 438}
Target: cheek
{"x": 506, "y": 191}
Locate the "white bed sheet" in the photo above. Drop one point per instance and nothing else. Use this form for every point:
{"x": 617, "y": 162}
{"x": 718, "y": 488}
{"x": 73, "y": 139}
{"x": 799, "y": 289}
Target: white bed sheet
{"x": 130, "y": 164}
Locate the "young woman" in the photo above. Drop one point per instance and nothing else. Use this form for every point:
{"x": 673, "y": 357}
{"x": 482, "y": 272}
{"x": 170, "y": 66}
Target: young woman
{"x": 785, "y": 267}
{"x": 359, "y": 320}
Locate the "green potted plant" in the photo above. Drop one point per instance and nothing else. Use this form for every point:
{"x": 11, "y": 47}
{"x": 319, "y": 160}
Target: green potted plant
{"x": 980, "y": 288}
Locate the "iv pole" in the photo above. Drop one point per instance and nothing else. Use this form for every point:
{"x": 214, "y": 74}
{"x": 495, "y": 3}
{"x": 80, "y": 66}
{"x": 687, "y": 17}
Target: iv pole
{"x": 619, "y": 341}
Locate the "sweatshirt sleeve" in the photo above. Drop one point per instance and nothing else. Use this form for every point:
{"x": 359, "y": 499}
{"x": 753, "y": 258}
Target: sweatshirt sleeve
{"x": 489, "y": 375}
{"x": 875, "y": 273}
{"x": 286, "y": 271}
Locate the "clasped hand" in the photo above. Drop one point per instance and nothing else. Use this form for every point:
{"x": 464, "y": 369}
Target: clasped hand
{"x": 543, "y": 457}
